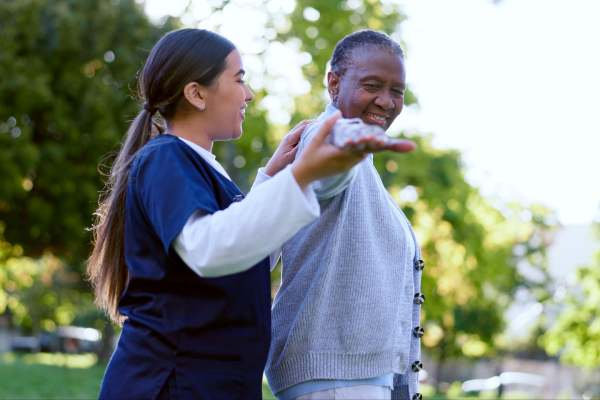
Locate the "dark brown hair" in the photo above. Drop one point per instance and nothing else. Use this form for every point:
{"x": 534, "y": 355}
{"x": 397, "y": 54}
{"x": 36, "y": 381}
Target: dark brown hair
{"x": 180, "y": 57}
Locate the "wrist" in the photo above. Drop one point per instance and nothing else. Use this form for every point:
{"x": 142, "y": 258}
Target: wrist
{"x": 271, "y": 169}
{"x": 301, "y": 176}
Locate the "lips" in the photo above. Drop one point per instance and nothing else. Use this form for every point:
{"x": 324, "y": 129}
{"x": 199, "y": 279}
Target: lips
{"x": 376, "y": 119}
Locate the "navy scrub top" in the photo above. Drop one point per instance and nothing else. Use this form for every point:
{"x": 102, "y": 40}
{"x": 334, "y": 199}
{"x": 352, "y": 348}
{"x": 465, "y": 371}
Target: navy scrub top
{"x": 210, "y": 335}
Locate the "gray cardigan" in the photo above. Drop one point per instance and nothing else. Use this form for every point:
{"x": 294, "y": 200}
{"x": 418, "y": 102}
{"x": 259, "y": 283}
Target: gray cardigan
{"x": 345, "y": 308}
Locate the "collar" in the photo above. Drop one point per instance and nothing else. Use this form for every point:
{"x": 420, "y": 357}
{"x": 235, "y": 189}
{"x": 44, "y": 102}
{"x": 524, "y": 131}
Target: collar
{"x": 329, "y": 110}
{"x": 199, "y": 149}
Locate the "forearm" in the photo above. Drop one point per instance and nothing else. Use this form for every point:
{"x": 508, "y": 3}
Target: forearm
{"x": 235, "y": 239}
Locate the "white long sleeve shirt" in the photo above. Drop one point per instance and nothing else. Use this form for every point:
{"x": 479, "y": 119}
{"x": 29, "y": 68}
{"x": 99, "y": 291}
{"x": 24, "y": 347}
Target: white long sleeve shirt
{"x": 235, "y": 239}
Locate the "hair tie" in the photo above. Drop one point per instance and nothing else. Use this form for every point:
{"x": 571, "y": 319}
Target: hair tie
{"x": 150, "y": 109}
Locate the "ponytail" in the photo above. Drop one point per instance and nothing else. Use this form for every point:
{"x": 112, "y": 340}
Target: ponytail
{"x": 180, "y": 57}
{"x": 106, "y": 266}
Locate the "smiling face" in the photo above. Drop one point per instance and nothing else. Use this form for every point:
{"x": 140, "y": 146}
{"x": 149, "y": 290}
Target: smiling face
{"x": 372, "y": 87}
{"x": 226, "y": 101}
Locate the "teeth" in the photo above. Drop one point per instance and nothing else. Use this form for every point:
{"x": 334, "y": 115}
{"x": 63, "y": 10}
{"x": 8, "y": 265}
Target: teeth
{"x": 377, "y": 117}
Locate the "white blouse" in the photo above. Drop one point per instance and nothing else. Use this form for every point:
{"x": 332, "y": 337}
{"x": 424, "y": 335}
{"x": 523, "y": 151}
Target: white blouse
{"x": 235, "y": 239}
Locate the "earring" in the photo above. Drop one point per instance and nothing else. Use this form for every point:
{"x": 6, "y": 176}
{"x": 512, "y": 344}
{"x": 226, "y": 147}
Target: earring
{"x": 201, "y": 106}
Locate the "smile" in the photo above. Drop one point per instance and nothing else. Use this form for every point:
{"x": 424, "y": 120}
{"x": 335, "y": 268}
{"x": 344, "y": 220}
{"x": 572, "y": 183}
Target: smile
{"x": 377, "y": 118}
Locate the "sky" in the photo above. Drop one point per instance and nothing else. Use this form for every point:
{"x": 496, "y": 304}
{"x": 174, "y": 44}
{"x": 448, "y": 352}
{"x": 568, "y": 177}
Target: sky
{"x": 514, "y": 85}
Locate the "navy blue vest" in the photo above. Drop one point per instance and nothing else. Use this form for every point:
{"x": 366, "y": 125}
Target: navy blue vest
{"x": 211, "y": 335}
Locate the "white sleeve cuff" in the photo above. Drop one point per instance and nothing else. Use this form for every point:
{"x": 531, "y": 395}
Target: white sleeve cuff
{"x": 261, "y": 177}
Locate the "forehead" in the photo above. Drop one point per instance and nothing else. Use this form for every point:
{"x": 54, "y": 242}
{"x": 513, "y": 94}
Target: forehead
{"x": 380, "y": 62}
{"x": 234, "y": 60}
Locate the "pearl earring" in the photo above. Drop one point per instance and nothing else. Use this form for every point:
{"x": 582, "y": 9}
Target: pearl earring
{"x": 201, "y": 106}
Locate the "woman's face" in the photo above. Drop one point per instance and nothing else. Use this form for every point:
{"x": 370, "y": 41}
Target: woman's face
{"x": 372, "y": 88}
{"x": 226, "y": 101}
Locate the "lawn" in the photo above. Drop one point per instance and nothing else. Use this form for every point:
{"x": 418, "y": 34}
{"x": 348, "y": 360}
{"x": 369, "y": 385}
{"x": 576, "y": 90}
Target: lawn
{"x": 55, "y": 376}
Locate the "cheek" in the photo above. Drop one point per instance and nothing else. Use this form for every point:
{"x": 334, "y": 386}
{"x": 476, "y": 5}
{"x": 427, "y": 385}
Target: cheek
{"x": 358, "y": 101}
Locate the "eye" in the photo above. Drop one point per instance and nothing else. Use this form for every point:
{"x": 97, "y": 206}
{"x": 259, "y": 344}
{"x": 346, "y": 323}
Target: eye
{"x": 370, "y": 86}
{"x": 398, "y": 93}
{"x": 242, "y": 81}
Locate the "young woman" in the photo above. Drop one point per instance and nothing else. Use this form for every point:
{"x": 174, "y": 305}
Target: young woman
{"x": 180, "y": 259}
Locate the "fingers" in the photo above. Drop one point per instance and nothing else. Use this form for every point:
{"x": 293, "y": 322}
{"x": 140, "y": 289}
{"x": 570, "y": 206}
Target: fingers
{"x": 326, "y": 127}
{"x": 294, "y": 135}
{"x": 368, "y": 143}
{"x": 296, "y": 132}
{"x": 293, "y": 151}
{"x": 401, "y": 145}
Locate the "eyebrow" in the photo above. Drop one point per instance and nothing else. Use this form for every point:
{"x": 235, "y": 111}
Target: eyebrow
{"x": 241, "y": 71}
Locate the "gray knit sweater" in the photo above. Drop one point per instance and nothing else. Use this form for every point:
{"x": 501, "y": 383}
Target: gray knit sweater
{"x": 345, "y": 307}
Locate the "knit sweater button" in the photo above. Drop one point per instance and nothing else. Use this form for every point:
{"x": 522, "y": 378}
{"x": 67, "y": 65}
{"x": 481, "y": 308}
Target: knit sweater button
{"x": 418, "y": 332}
{"x": 419, "y": 298}
{"x": 419, "y": 265}
{"x": 417, "y": 366}
{"x": 418, "y": 396}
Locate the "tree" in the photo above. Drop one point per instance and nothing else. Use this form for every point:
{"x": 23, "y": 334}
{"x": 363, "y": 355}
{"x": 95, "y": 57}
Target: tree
{"x": 65, "y": 68}
{"x": 575, "y": 335}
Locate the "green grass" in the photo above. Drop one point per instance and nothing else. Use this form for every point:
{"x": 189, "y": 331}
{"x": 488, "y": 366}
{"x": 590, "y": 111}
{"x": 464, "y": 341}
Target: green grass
{"x": 27, "y": 377}
{"x": 56, "y": 376}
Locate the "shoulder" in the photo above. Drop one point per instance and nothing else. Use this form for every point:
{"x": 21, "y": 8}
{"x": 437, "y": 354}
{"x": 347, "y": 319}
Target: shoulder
{"x": 310, "y": 130}
{"x": 167, "y": 151}
{"x": 163, "y": 145}
{"x": 165, "y": 157}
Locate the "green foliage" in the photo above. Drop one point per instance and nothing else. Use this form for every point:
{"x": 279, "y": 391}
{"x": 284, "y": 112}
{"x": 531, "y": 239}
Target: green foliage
{"x": 64, "y": 105}
{"x": 575, "y": 335}
{"x": 39, "y": 293}
{"x": 69, "y": 108}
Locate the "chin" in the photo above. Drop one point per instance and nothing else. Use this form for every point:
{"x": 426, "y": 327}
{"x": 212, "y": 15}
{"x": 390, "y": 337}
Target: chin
{"x": 237, "y": 135}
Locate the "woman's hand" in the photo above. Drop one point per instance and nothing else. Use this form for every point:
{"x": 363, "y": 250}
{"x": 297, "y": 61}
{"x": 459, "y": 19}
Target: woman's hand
{"x": 322, "y": 159}
{"x": 286, "y": 152}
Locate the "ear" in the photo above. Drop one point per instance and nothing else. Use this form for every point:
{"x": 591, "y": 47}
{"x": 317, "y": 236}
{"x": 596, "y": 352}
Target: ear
{"x": 195, "y": 95}
{"x": 333, "y": 86}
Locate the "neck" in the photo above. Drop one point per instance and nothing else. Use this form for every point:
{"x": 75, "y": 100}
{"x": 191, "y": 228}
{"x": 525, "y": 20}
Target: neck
{"x": 192, "y": 131}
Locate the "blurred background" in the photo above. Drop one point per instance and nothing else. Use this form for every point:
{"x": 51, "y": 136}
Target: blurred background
{"x": 502, "y": 102}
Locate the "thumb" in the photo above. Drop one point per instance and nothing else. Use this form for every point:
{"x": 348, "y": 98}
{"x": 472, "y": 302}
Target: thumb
{"x": 323, "y": 131}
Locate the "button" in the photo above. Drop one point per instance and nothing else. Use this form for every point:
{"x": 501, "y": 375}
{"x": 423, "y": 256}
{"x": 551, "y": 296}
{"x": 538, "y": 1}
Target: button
{"x": 418, "y": 396}
{"x": 419, "y": 265}
{"x": 418, "y": 332}
{"x": 237, "y": 198}
{"x": 417, "y": 366}
{"x": 419, "y": 298}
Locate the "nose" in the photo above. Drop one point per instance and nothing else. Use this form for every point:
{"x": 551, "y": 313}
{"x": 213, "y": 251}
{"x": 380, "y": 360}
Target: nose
{"x": 384, "y": 100}
{"x": 249, "y": 94}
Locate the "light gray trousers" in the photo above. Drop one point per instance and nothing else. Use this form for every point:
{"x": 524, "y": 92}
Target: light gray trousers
{"x": 358, "y": 392}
